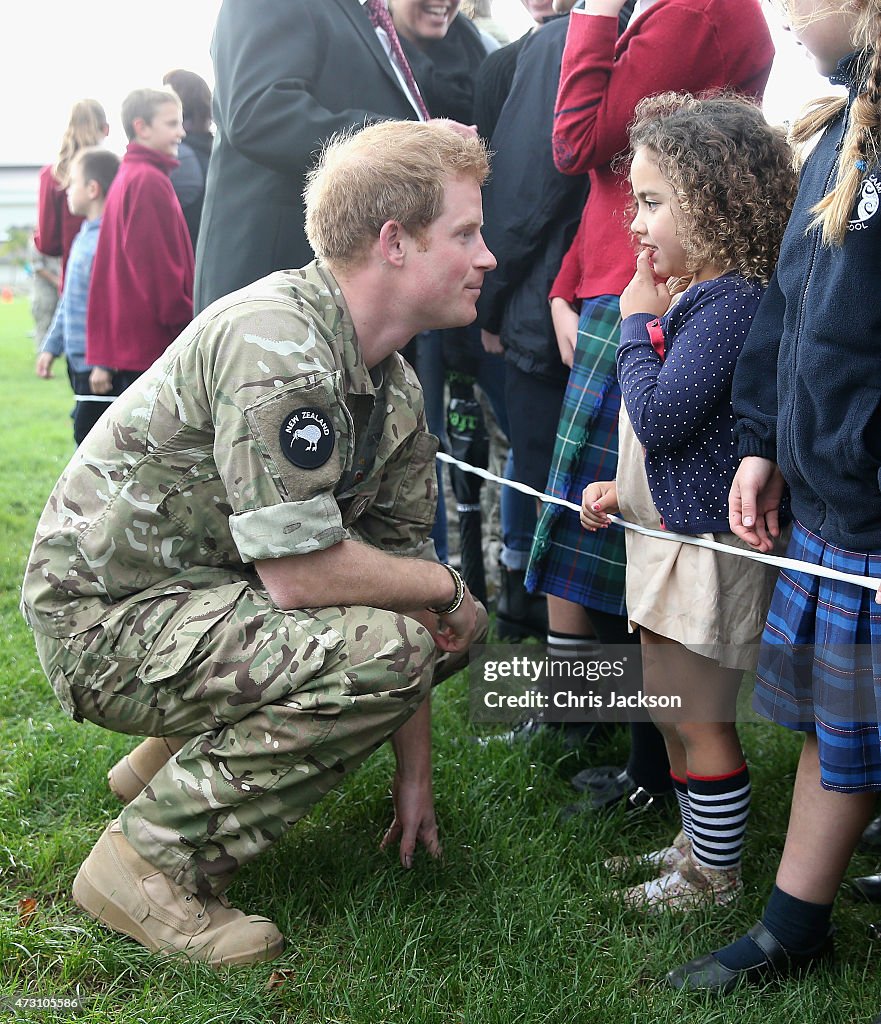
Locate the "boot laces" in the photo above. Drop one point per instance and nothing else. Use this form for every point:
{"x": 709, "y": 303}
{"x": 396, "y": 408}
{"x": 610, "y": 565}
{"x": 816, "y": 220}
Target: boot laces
{"x": 201, "y": 904}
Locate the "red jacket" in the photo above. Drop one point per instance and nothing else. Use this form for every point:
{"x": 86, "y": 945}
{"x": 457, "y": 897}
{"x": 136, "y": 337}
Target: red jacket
{"x": 680, "y": 45}
{"x": 57, "y": 227}
{"x": 141, "y": 292}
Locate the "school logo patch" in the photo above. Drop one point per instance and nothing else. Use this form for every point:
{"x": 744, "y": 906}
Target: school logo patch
{"x": 307, "y": 437}
{"x": 867, "y": 205}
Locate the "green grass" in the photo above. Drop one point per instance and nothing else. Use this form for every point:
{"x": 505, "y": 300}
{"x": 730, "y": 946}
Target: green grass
{"x": 514, "y": 925}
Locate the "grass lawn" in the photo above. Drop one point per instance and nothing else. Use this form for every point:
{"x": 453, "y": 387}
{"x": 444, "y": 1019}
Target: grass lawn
{"x": 516, "y": 924}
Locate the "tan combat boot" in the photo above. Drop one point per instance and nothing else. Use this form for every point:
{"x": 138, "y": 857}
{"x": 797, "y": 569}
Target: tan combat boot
{"x": 129, "y": 776}
{"x": 117, "y": 887}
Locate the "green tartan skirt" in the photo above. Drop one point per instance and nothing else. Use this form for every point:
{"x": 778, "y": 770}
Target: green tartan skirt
{"x": 566, "y": 560}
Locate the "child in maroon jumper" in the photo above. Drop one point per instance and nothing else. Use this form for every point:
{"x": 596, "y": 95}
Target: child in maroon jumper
{"x": 141, "y": 295}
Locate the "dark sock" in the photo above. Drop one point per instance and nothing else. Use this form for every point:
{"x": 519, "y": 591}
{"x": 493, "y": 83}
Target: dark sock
{"x": 799, "y": 926}
{"x": 647, "y": 764}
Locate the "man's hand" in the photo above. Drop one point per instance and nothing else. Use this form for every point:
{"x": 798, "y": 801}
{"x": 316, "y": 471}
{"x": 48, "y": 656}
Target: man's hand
{"x": 414, "y": 821}
{"x": 492, "y": 343}
{"x": 100, "y": 381}
{"x": 456, "y": 631}
{"x": 44, "y": 365}
{"x": 645, "y": 294}
{"x": 754, "y": 502}
{"x": 452, "y": 633}
{"x": 565, "y": 321}
{"x": 597, "y": 500}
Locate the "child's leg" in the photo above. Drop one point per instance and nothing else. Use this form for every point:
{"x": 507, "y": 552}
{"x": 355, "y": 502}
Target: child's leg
{"x": 706, "y": 759}
{"x": 702, "y": 739}
{"x": 709, "y": 773}
{"x": 824, "y": 828}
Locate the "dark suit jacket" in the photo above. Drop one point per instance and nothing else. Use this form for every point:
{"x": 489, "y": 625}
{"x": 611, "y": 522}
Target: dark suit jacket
{"x": 289, "y": 73}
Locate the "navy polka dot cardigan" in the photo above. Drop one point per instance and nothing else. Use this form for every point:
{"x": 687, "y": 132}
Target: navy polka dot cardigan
{"x": 675, "y": 374}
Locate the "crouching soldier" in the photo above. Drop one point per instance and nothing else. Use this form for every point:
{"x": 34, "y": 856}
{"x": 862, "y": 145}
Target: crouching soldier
{"x": 236, "y": 562}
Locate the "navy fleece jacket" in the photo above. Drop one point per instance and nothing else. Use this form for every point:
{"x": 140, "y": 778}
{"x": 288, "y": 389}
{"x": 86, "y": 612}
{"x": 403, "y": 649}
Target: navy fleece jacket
{"x": 807, "y": 392}
{"x": 680, "y": 405}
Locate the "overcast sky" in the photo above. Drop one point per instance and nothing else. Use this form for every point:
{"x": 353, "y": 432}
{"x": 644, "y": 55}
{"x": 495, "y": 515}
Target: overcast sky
{"x": 56, "y": 53}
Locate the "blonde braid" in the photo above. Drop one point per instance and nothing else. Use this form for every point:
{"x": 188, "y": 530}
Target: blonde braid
{"x": 814, "y": 118}
{"x": 860, "y": 146}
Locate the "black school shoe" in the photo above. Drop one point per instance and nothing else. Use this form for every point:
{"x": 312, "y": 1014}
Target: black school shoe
{"x": 605, "y": 787}
{"x": 871, "y": 838}
{"x": 869, "y": 887}
{"x": 622, "y": 791}
{"x": 707, "y": 974}
{"x": 574, "y": 736}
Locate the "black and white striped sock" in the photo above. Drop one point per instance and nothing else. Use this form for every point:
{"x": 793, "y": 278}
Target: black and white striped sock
{"x": 571, "y": 646}
{"x": 680, "y": 788}
{"x": 565, "y": 652}
{"x": 719, "y": 811}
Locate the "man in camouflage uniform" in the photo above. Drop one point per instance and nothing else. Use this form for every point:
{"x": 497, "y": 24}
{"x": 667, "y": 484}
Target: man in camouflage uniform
{"x": 237, "y": 558}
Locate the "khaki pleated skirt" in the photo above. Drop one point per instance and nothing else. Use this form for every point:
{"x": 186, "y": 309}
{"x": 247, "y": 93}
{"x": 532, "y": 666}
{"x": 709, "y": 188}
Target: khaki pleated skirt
{"x": 712, "y": 603}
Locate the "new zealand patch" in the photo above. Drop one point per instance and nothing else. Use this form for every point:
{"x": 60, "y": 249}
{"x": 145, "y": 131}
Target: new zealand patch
{"x": 307, "y": 437}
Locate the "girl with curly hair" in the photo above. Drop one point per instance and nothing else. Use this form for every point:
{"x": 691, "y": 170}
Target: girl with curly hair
{"x": 713, "y": 187}
{"x": 807, "y": 397}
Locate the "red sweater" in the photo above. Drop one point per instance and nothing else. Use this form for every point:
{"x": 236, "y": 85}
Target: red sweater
{"x": 679, "y": 45}
{"x": 141, "y": 292}
{"x": 57, "y": 227}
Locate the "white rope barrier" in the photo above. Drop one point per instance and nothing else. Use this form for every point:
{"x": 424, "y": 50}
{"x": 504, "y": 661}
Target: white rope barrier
{"x": 680, "y": 538}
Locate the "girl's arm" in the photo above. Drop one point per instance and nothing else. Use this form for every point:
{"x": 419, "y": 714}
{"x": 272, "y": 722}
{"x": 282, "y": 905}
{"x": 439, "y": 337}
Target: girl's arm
{"x": 47, "y": 237}
{"x": 754, "y": 392}
{"x": 757, "y": 489}
{"x": 597, "y": 501}
{"x": 754, "y": 502}
{"x": 565, "y": 321}
{"x": 669, "y": 401}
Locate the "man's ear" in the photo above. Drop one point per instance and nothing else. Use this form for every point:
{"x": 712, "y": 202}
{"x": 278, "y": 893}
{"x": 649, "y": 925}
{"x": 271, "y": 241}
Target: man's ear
{"x": 393, "y": 239}
{"x": 93, "y": 188}
{"x": 138, "y": 126}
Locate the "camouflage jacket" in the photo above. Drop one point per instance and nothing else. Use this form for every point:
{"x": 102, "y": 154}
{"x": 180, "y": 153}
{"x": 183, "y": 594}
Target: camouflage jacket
{"x": 259, "y": 433}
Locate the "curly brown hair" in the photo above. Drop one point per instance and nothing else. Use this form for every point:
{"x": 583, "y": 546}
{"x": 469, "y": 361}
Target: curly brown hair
{"x": 731, "y": 173}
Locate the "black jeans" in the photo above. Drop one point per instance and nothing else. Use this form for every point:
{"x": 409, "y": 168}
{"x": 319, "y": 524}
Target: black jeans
{"x": 87, "y": 412}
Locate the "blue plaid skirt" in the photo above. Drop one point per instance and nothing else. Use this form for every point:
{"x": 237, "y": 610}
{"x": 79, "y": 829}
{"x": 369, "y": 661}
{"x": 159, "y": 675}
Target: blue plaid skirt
{"x": 819, "y": 666}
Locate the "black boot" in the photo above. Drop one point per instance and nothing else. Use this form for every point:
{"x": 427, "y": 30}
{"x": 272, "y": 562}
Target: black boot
{"x": 518, "y": 613}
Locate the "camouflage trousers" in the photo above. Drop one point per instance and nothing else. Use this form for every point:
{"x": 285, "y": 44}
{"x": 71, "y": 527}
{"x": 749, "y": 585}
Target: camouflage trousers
{"x": 279, "y": 707}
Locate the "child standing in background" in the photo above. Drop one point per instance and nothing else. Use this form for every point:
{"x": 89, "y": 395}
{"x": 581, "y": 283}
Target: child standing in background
{"x": 713, "y": 186}
{"x": 807, "y": 396}
{"x": 141, "y": 296}
{"x": 56, "y": 225}
{"x": 89, "y": 178}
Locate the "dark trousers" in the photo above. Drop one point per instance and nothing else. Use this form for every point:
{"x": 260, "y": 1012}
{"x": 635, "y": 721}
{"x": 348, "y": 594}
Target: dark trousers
{"x": 87, "y": 411}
